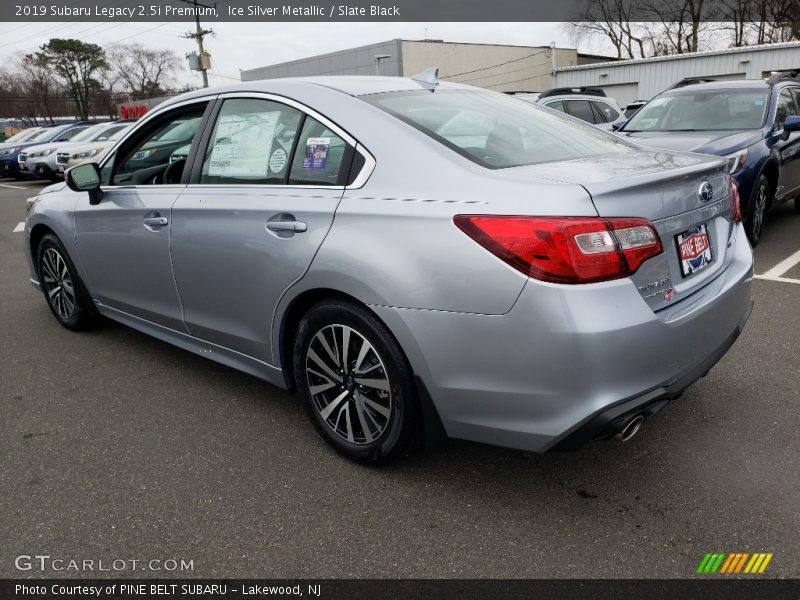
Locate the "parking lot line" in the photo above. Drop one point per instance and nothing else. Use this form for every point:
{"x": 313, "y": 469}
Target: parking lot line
{"x": 780, "y": 279}
{"x": 19, "y": 228}
{"x": 783, "y": 266}
{"x": 13, "y": 187}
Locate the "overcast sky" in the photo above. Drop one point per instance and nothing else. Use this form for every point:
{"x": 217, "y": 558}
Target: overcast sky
{"x": 249, "y": 45}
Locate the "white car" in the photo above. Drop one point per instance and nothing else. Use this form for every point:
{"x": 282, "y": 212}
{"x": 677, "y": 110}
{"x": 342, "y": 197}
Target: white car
{"x": 41, "y": 160}
{"x": 588, "y": 104}
{"x": 77, "y": 154}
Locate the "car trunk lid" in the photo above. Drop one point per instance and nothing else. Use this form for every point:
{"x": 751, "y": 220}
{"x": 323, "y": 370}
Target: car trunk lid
{"x": 685, "y": 196}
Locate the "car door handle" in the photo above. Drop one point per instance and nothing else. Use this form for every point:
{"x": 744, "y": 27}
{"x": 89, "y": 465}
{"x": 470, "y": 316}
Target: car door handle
{"x": 294, "y": 226}
{"x": 156, "y": 221}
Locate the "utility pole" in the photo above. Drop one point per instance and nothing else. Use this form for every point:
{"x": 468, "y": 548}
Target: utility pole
{"x": 198, "y": 35}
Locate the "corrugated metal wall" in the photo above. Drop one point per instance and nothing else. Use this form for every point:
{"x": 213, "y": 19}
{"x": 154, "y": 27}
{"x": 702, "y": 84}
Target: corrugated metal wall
{"x": 652, "y": 76}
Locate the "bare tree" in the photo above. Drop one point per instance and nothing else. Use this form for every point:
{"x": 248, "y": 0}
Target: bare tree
{"x": 142, "y": 72}
{"x": 40, "y": 85}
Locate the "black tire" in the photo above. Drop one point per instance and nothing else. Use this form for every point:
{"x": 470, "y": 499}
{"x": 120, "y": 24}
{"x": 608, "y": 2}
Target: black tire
{"x": 760, "y": 203}
{"x": 74, "y": 310}
{"x": 797, "y": 204}
{"x": 389, "y": 414}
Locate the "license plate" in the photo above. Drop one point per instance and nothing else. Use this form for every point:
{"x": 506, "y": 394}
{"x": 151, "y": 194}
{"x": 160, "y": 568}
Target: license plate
{"x": 694, "y": 250}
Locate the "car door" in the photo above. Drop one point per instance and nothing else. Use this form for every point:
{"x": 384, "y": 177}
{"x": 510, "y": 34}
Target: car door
{"x": 123, "y": 242}
{"x": 261, "y": 200}
{"x": 788, "y": 149}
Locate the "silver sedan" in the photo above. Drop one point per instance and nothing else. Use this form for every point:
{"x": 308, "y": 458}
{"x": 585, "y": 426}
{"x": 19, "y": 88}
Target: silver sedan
{"x": 418, "y": 259}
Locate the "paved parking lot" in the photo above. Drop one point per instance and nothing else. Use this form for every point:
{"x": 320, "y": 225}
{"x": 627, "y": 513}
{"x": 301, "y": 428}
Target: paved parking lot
{"x": 116, "y": 445}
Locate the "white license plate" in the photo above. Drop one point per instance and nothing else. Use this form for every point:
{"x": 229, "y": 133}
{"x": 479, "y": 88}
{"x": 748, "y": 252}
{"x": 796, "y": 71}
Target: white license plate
{"x": 694, "y": 249}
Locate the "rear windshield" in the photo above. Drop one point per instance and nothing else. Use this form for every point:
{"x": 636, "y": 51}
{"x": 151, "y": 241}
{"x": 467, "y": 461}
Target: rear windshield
{"x": 708, "y": 110}
{"x": 497, "y": 131}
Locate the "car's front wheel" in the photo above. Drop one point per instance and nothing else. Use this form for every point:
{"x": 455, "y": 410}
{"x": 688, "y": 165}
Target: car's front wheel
{"x": 63, "y": 289}
{"x": 358, "y": 386}
{"x": 754, "y": 223}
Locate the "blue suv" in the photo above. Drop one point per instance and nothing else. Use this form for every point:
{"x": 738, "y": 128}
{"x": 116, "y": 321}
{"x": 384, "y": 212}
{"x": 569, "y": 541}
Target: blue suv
{"x": 753, "y": 123}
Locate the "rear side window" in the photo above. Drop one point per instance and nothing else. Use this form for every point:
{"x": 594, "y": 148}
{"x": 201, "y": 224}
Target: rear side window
{"x": 252, "y": 143}
{"x": 606, "y": 112}
{"x": 557, "y": 105}
{"x": 508, "y": 133}
{"x": 321, "y": 157}
{"x": 580, "y": 109}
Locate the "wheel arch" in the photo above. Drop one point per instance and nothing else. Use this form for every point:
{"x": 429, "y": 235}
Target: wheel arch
{"x": 290, "y": 320}
{"x": 432, "y": 428}
{"x": 34, "y": 239}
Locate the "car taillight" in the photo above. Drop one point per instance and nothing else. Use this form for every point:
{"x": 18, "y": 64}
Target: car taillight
{"x": 565, "y": 249}
{"x": 736, "y": 207}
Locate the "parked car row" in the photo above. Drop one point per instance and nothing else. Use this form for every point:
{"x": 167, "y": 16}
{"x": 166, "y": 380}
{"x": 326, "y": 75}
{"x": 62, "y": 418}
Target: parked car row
{"x": 417, "y": 258}
{"x": 35, "y": 152}
{"x": 754, "y": 124}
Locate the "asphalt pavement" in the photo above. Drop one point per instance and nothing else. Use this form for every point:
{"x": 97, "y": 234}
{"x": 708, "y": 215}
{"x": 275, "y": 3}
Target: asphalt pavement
{"x": 115, "y": 445}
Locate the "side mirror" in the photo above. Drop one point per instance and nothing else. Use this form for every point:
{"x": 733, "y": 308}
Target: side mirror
{"x": 85, "y": 178}
{"x": 617, "y": 125}
{"x": 789, "y": 125}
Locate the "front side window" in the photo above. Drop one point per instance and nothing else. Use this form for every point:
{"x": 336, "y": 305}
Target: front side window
{"x": 252, "y": 143}
{"x": 702, "y": 110}
{"x": 511, "y": 134}
{"x": 786, "y": 108}
{"x": 150, "y": 157}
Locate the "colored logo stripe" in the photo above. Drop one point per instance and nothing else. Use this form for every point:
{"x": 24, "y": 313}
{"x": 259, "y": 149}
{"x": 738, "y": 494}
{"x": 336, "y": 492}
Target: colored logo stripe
{"x": 734, "y": 563}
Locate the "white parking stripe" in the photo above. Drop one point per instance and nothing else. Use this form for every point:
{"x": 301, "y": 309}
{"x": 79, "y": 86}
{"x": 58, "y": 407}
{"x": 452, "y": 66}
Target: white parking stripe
{"x": 14, "y": 187}
{"x": 19, "y": 228}
{"x": 783, "y": 266}
{"x": 780, "y": 279}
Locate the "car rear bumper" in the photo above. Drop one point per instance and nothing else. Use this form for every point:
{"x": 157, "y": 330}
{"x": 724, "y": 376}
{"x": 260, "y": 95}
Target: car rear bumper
{"x": 565, "y": 355}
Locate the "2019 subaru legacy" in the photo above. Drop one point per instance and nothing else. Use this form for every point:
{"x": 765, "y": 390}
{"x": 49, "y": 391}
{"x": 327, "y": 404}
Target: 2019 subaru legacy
{"x": 410, "y": 255}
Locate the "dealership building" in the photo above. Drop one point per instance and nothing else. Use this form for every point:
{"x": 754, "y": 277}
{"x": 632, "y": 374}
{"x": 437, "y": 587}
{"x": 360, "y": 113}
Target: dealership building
{"x": 493, "y": 66}
{"x": 628, "y": 80}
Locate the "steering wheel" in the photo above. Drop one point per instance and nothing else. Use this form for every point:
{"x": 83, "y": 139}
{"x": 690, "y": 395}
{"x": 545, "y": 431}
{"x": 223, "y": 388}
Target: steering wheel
{"x": 174, "y": 172}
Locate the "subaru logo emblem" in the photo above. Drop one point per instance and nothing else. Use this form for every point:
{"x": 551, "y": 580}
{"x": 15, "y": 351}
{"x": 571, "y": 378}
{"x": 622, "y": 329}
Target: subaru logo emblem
{"x": 706, "y": 192}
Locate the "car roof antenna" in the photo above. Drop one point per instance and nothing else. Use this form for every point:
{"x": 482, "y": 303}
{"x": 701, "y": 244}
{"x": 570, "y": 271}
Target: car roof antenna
{"x": 429, "y": 78}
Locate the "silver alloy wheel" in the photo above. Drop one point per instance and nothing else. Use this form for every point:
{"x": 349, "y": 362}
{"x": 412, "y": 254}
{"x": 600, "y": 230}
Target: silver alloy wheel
{"x": 58, "y": 283}
{"x": 759, "y": 210}
{"x": 349, "y": 384}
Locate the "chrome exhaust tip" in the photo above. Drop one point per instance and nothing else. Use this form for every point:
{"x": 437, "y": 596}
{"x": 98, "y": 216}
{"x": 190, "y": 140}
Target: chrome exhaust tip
{"x": 631, "y": 428}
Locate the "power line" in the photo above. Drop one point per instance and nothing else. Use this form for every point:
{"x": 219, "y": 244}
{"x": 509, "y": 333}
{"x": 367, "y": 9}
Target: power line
{"x": 508, "y": 62}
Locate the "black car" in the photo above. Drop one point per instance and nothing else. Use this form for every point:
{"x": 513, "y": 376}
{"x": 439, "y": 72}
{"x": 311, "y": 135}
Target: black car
{"x": 753, "y": 123}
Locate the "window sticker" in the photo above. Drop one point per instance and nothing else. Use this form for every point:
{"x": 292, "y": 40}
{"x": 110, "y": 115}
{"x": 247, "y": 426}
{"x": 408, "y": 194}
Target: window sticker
{"x": 241, "y": 145}
{"x": 277, "y": 161}
{"x": 316, "y": 156}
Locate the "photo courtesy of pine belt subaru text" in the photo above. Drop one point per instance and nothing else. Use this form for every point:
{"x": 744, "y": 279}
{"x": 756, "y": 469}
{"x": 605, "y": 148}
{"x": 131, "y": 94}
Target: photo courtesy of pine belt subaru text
{"x": 418, "y": 259}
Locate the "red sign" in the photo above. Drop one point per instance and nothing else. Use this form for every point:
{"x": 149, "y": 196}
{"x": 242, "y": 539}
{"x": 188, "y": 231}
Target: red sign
{"x": 132, "y": 111}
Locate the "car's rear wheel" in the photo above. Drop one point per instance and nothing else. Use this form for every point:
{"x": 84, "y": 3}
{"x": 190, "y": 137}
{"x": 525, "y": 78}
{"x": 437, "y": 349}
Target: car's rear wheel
{"x": 754, "y": 224}
{"x": 358, "y": 386}
{"x": 63, "y": 289}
